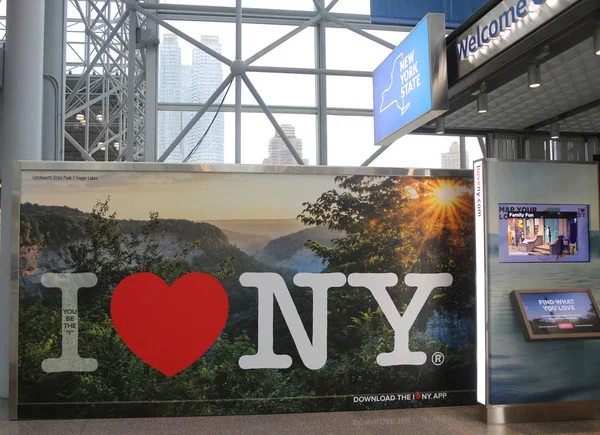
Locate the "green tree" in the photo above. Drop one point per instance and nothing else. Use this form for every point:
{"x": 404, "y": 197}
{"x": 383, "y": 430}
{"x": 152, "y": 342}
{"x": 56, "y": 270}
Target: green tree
{"x": 389, "y": 230}
{"x": 383, "y": 229}
{"x": 112, "y": 255}
{"x": 395, "y": 225}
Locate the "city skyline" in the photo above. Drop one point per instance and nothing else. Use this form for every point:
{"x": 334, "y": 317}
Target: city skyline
{"x": 170, "y": 72}
{"x": 191, "y": 84}
{"x": 350, "y": 138}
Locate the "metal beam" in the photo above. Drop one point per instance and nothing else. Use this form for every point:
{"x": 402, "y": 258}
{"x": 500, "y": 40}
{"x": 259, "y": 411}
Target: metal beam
{"x": 95, "y": 100}
{"x": 54, "y": 71}
{"x": 274, "y": 122}
{"x": 151, "y": 115}
{"x": 260, "y": 16}
{"x": 131, "y": 87}
{"x": 196, "y": 117}
{"x": 359, "y": 31}
{"x": 321, "y": 87}
{"x": 99, "y": 54}
{"x": 364, "y": 25}
{"x": 566, "y": 115}
{"x": 331, "y": 5}
{"x": 96, "y": 41}
{"x": 309, "y": 71}
{"x": 454, "y": 131}
{"x": 253, "y": 108}
{"x": 113, "y": 116}
{"x": 238, "y": 82}
{"x": 88, "y": 53}
{"x": 106, "y": 20}
{"x": 116, "y": 112}
{"x": 376, "y": 154}
{"x": 79, "y": 148}
{"x": 482, "y": 145}
{"x": 284, "y": 38}
{"x": 183, "y": 35}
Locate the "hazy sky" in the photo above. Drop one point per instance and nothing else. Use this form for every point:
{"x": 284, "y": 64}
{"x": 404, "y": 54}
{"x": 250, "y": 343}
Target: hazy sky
{"x": 350, "y": 138}
{"x": 193, "y": 196}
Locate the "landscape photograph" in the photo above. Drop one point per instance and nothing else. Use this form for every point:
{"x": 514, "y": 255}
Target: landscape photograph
{"x": 117, "y": 224}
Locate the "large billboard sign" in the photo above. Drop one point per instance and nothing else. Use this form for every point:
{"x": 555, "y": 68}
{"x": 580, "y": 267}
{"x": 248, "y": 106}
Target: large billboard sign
{"x": 176, "y": 290}
{"x": 503, "y": 26}
{"x": 410, "y": 12}
{"x": 410, "y": 87}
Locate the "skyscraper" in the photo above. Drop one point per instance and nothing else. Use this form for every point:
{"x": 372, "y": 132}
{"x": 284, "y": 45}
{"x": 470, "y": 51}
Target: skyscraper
{"x": 185, "y": 117}
{"x": 451, "y": 159}
{"x": 190, "y": 84}
{"x": 206, "y": 76}
{"x": 169, "y": 123}
{"x": 279, "y": 154}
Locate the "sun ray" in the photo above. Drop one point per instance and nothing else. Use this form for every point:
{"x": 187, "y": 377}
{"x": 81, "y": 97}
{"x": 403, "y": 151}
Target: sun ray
{"x": 443, "y": 201}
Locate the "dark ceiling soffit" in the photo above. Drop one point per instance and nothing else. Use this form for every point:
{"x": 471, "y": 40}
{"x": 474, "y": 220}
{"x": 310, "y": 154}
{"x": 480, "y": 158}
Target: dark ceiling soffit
{"x": 566, "y": 115}
{"x": 519, "y": 67}
{"x": 569, "y": 21}
{"x": 479, "y": 13}
{"x": 484, "y": 132}
{"x": 568, "y": 29}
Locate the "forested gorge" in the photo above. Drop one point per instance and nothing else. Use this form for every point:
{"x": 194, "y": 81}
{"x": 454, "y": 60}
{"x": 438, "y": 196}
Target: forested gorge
{"x": 385, "y": 225}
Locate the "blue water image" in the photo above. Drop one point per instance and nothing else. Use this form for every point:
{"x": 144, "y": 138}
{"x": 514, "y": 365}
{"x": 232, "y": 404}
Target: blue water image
{"x": 533, "y": 372}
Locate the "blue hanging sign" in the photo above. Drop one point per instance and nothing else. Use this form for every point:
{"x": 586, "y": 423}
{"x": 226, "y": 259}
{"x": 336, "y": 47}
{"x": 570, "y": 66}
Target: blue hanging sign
{"x": 410, "y": 87}
{"x": 410, "y": 12}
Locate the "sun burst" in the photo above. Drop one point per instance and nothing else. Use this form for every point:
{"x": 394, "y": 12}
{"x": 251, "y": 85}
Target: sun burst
{"x": 442, "y": 201}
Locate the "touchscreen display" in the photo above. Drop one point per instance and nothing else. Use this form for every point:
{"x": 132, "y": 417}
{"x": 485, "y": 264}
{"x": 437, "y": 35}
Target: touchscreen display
{"x": 559, "y": 314}
{"x": 530, "y": 233}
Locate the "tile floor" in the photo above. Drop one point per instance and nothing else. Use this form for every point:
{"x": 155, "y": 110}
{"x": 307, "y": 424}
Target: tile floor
{"x": 445, "y": 421}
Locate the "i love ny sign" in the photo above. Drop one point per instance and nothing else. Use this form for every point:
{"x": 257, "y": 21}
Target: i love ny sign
{"x": 170, "y": 327}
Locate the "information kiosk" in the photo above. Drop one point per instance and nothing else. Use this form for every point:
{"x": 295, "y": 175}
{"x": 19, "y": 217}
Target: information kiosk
{"x": 538, "y": 249}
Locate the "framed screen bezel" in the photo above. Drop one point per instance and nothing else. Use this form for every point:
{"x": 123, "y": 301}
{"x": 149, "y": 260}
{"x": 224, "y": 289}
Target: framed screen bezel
{"x": 528, "y": 332}
{"x": 514, "y": 258}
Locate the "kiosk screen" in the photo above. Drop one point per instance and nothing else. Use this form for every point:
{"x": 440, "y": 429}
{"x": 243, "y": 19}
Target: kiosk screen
{"x": 530, "y": 233}
{"x": 557, "y": 314}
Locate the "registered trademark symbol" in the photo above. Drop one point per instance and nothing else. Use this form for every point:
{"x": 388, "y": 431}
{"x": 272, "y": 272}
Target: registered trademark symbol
{"x": 438, "y": 358}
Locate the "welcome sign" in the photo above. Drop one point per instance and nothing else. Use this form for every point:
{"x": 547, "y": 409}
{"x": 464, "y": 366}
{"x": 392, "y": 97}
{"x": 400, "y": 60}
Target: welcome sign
{"x": 184, "y": 292}
{"x": 504, "y": 25}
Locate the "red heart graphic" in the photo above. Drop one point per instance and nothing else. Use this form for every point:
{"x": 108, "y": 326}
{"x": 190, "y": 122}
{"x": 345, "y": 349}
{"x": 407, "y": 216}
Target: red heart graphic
{"x": 418, "y": 396}
{"x": 169, "y": 328}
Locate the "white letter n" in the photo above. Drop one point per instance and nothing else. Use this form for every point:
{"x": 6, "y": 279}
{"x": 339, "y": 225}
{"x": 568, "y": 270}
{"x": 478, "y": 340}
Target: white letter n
{"x": 269, "y": 285}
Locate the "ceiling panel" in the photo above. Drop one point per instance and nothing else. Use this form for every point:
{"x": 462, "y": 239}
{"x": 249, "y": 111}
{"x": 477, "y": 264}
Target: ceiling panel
{"x": 588, "y": 122}
{"x": 569, "y": 80}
